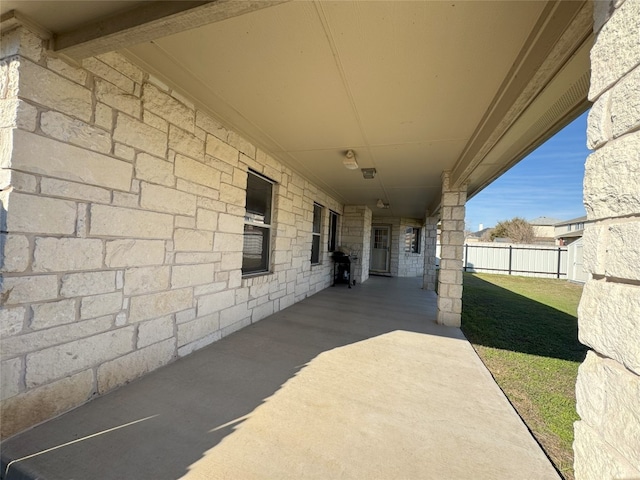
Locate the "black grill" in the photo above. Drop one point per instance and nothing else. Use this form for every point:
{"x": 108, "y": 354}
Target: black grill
{"x": 341, "y": 269}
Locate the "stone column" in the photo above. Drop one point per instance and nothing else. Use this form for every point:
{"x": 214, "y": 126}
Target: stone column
{"x": 451, "y": 239}
{"x": 356, "y": 236}
{"x": 430, "y": 239}
{"x": 607, "y": 438}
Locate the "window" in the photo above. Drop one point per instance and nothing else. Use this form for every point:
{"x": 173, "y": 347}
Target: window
{"x": 317, "y": 232}
{"x": 412, "y": 240}
{"x": 333, "y": 231}
{"x": 257, "y": 225}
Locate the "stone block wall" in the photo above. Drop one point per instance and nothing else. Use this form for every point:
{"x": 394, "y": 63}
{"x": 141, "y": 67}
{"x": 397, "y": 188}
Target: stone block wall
{"x": 356, "y": 236}
{"x": 451, "y": 254}
{"x": 410, "y": 264}
{"x": 122, "y": 220}
{"x": 430, "y": 240}
{"x": 607, "y": 438}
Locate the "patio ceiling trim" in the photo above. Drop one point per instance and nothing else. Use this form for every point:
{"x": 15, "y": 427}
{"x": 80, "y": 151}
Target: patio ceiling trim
{"x": 538, "y": 64}
{"x": 12, "y": 19}
{"x": 149, "y": 21}
{"x": 575, "y": 96}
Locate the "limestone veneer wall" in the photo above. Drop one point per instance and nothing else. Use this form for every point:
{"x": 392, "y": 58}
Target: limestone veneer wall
{"x": 607, "y": 438}
{"x": 124, "y": 207}
{"x": 451, "y": 255}
{"x": 410, "y": 264}
{"x": 356, "y": 236}
{"x": 429, "y": 277}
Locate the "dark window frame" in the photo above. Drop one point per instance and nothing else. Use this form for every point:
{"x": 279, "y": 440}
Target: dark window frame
{"x": 412, "y": 240}
{"x": 258, "y": 222}
{"x": 316, "y": 234}
{"x": 332, "y": 242}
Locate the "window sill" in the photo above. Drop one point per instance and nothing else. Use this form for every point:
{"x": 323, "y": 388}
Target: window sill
{"x": 256, "y": 274}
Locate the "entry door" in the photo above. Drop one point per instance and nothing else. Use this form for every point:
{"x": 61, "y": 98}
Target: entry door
{"x": 380, "y": 242}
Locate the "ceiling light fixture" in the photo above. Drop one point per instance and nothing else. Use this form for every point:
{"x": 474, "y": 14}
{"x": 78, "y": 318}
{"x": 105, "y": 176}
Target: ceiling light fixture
{"x": 368, "y": 173}
{"x": 380, "y": 204}
{"x": 349, "y": 160}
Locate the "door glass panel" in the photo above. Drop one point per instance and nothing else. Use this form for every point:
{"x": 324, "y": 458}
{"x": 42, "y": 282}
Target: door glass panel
{"x": 380, "y": 238}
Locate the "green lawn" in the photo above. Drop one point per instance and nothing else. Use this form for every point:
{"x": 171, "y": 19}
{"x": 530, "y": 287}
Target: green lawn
{"x": 525, "y": 330}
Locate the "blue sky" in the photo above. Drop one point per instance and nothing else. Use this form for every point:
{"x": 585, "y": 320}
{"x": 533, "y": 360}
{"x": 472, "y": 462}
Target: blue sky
{"x": 548, "y": 182}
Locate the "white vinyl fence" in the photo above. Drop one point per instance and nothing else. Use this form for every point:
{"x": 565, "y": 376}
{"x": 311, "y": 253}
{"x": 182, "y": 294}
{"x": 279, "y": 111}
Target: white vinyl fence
{"x": 543, "y": 261}
{"x": 575, "y": 266}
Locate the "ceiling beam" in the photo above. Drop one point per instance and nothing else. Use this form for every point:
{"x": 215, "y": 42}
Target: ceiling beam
{"x": 148, "y": 21}
{"x": 560, "y": 32}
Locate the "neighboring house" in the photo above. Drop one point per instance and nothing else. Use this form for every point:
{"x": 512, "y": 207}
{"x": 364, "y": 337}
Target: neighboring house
{"x": 477, "y": 236}
{"x": 544, "y": 228}
{"x": 568, "y": 231}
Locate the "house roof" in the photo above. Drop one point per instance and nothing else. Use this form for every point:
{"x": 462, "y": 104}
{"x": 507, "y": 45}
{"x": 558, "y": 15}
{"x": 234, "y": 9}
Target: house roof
{"x": 480, "y": 233}
{"x": 544, "y": 221}
{"x": 413, "y": 88}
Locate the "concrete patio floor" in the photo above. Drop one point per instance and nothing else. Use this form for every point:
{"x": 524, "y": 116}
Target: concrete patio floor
{"x": 356, "y": 383}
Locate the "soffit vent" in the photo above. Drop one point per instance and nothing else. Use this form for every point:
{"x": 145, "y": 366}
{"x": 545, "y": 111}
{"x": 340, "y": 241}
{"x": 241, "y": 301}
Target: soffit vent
{"x": 368, "y": 173}
{"x": 573, "y": 96}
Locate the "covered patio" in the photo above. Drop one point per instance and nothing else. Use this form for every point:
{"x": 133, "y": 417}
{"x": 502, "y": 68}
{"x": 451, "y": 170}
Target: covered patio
{"x": 358, "y": 383}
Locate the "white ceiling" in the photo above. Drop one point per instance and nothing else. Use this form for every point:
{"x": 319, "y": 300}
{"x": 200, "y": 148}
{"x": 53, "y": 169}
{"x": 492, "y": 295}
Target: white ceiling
{"x": 406, "y": 85}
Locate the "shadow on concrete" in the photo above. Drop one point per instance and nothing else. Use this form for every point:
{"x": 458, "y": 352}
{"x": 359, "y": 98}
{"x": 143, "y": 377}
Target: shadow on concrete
{"x": 158, "y": 426}
{"x": 496, "y": 317}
